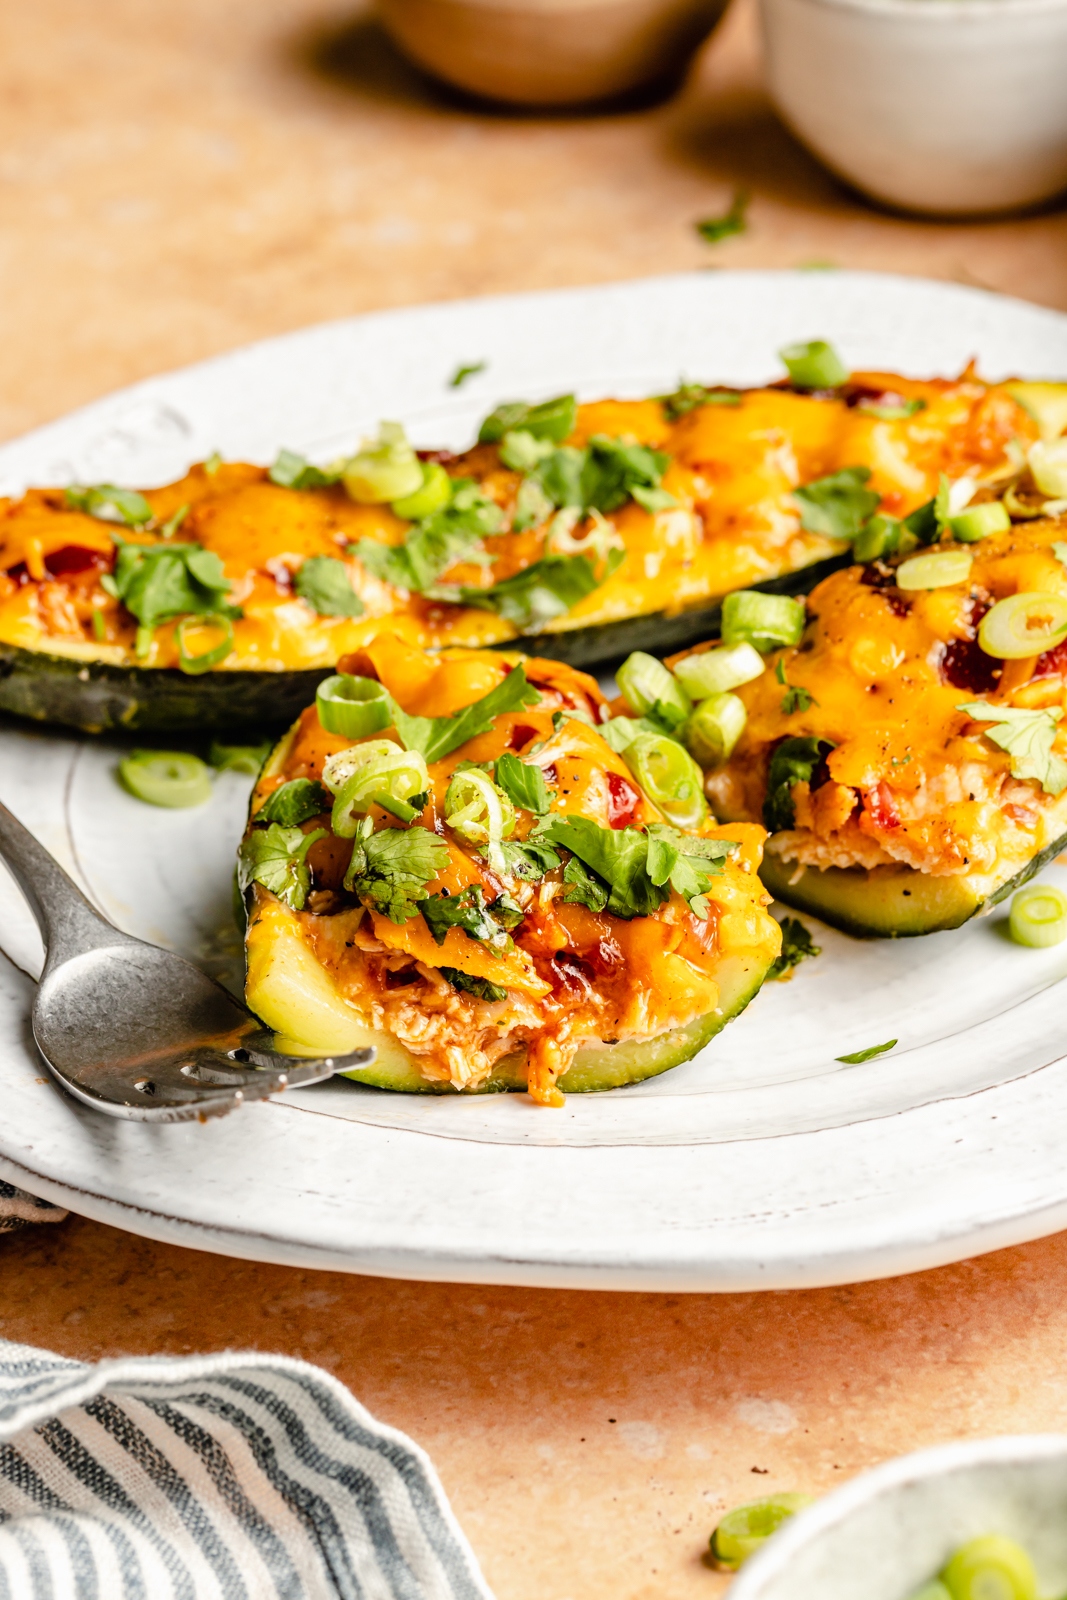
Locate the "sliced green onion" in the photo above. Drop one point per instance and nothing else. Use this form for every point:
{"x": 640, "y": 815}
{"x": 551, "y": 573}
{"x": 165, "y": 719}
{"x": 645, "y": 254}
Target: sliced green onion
{"x": 434, "y": 492}
{"x": 1023, "y": 625}
{"x": 99, "y": 627}
{"x": 207, "y": 658}
{"x": 247, "y": 758}
{"x": 166, "y": 778}
{"x": 385, "y": 469}
{"x": 939, "y": 570}
{"x": 816, "y": 365}
{"x": 353, "y": 707}
{"x": 979, "y": 522}
{"x": 1038, "y": 916}
{"x": 767, "y": 621}
{"x": 714, "y": 729}
{"x": 1048, "y": 466}
{"x": 990, "y": 1568}
{"x": 669, "y": 776}
{"x": 476, "y": 809}
{"x": 648, "y": 686}
{"x": 375, "y": 773}
{"x": 716, "y": 671}
{"x": 742, "y": 1531}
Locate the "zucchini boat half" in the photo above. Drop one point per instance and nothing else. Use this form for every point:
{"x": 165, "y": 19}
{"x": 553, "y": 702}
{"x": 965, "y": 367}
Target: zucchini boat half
{"x": 906, "y": 750}
{"x": 446, "y": 859}
{"x": 600, "y": 528}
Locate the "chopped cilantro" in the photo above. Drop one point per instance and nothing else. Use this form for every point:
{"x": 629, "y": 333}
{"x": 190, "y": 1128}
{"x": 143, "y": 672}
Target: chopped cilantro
{"x": 797, "y": 946}
{"x": 545, "y": 589}
{"x": 871, "y": 1051}
{"x": 469, "y": 912}
{"x": 1028, "y": 737}
{"x": 292, "y": 471}
{"x": 923, "y": 522}
{"x": 276, "y": 858}
{"x": 714, "y": 229}
{"x": 584, "y": 888}
{"x": 793, "y": 761}
{"x": 454, "y": 533}
{"x": 158, "y": 582}
{"x": 691, "y": 396}
{"x": 434, "y": 737}
{"x": 295, "y": 802}
{"x": 837, "y": 506}
{"x": 324, "y": 583}
{"x": 796, "y": 698}
{"x": 390, "y": 869}
{"x": 110, "y": 504}
{"x": 480, "y": 988}
{"x": 626, "y": 870}
{"x": 528, "y": 861}
{"x": 470, "y": 370}
{"x": 523, "y": 783}
{"x": 893, "y": 412}
{"x": 552, "y": 419}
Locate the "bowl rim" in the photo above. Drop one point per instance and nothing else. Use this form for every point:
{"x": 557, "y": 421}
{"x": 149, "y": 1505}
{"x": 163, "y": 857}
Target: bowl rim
{"x": 938, "y": 1461}
{"x": 940, "y": 11}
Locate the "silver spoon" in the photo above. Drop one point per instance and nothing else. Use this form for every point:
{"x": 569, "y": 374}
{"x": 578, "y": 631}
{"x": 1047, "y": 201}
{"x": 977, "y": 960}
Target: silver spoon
{"x": 135, "y": 1031}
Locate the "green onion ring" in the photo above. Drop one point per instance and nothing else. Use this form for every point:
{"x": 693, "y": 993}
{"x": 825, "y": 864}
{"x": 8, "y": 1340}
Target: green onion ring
{"x": 669, "y": 777}
{"x": 476, "y": 810}
{"x": 941, "y": 569}
{"x": 647, "y": 685}
{"x": 765, "y": 621}
{"x": 209, "y": 658}
{"x": 170, "y": 778}
{"x": 716, "y": 671}
{"x": 979, "y": 522}
{"x": 816, "y": 365}
{"x": 742, "y": 1531}
{"x": 372, "y": 774}
{"x": 353, "y": 707}
{"x": 714, "y": 729}
{"x": 990, "y": 1568}
{"x": 1024, "y": 625}
{"x": 1038, "y": 916}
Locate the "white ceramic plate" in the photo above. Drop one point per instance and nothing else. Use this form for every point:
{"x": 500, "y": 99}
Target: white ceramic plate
{"x": 763, "y": 1163}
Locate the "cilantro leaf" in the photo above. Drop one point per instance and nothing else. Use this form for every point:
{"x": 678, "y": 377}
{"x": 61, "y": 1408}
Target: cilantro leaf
{"x": 480, "y": 988}
{"x": 295, "y": 802}
{"x": 584, "y": 888}
{"x": 523, "y": 783}
{"x": 1028, "y": 737}
{"x": 462, "y": 373}
{"x": 469, "y": 912}
{"x": 797, "y": 946}
{"x": 893, "y": 411}
{"x": 793, "y": 761}
{"x": 688, "y": 864}
{"x": 110, "y": 504}
{"x": 158, "y": 582}
{"x": 545, "y": 589}
{"x": 324, "y": 583}
{"x": 795, "y": 698}
{"x": 552, "y": 419}
{"x": 923, "y": 522}
{"x": 435, "y": 737}
{"x": 691, "y": 396}
{"x": 454, "y": 533}
{"x": 390, "y": 869}
{"x": 871, "y": 1051}
{"x": 837, "y": 506}
{"x": 714, "y": 229}
{"x": 528, "y": 861}
{"x": 293, "y": 471}
{"x": 617, "y": 856}
{"x": 276, "y": 858}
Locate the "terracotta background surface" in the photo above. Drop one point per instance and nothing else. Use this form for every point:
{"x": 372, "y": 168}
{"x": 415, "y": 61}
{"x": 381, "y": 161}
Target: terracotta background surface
{"x": 176, "y": 179}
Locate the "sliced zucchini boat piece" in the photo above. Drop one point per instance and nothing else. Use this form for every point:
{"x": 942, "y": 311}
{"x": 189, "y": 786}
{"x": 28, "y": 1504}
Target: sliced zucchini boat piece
{"x": 598, "y": 529}
{"x": 483, "y": 891}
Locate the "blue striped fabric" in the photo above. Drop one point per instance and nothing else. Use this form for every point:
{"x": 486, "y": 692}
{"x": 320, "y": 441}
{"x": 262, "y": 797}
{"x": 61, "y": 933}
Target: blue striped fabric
{"x": 231, "y": 1477}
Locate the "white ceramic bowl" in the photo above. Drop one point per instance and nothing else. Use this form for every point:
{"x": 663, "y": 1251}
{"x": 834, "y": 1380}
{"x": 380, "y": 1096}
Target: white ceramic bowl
{"x": 949, "y": 107}
{"x": 887, "y": 1532}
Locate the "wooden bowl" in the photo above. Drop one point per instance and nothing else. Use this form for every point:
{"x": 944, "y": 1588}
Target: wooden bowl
{"x": 551, "y": 52}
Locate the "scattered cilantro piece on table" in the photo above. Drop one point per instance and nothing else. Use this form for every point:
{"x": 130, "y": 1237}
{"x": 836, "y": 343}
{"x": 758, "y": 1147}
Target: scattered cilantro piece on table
{"x": 873, "y": 1050}
{"x": 714, "y": 229}
{"x": 470, "y": 369}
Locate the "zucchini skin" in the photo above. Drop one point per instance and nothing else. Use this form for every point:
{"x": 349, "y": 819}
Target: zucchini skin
{"x": 891, "y": 902}
{"x": 97, "y": 697}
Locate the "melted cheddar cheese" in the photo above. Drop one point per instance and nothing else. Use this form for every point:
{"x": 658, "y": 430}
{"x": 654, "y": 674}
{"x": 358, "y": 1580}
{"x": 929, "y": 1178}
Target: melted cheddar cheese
{"x": 734, "y": 524}
{"x": 573, "y": 977}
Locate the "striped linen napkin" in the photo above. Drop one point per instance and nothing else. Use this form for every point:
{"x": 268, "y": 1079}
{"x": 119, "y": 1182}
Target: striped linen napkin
{"x": 229, "y": 1477}
{"x": 17, "y": 1208}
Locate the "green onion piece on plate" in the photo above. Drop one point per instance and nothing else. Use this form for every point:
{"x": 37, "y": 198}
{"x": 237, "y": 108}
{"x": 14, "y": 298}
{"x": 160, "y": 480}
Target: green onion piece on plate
{"x": 648, "y": 686}
{"x": 353, "y": 707}
{"x": 1038, "y": 916}
{"x": 1024, "y": 625}
{"x": 714, "y": 729}
{"x": 938, "y": 570}
{"x": 990, "y": 1568}
{"x": 742, "y": 1531}
{"x": 377, "y": 773}
{"x": 816, "y": 365}
{"x": 169, "y": 778}
{"x": 979, "y": 522}
{"x": 669, "y": 776}
{"x": 434, "y": 492}
{"x": 766, "y": 621}
{"x": 1048, "y": 465}
{"x": 716, "y": 671}
{"x": 204, "y": 660}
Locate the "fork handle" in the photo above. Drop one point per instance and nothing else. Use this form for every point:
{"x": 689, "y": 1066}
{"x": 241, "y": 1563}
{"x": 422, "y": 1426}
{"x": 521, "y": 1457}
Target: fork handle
{"x": 68, "y": 923}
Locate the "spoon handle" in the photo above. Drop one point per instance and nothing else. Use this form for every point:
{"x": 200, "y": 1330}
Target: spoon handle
{"x": 67, "y": 921}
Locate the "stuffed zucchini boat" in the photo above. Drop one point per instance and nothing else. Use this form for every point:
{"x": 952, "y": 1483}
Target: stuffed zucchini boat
{"x": 447, "y": 861}
{"x": 903, "y": 743}
{"x": 223, "y": 599}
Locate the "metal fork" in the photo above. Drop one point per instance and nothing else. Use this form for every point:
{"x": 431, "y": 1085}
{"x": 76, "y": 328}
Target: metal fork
{"x": 133, "y": 1030}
